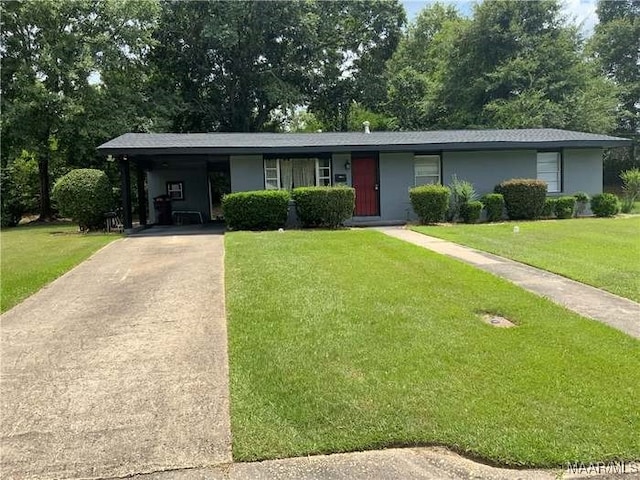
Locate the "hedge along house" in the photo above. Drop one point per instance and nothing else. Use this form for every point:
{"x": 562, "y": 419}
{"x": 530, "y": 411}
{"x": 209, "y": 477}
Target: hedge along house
{"x": 194, "y": 169}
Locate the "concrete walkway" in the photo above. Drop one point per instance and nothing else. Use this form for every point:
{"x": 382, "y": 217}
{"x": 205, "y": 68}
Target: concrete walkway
{"x": 588, "y": 301}
{"x": 429, "y": 463}
{"x": 120, "y": 366}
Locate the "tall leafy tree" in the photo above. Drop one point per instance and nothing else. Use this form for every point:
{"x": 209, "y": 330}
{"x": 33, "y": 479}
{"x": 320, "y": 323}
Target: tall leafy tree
{"x": 352, "y": 43}
{"x": 51, "y": 51}
{"x": 235, "y": 66}
{"x": 512, "y": 65}
{"x": 231, "y": 64}
{"x": 523, "y": 55}
{"x": 415, "y": 72}
{"x": 616, "y": 47}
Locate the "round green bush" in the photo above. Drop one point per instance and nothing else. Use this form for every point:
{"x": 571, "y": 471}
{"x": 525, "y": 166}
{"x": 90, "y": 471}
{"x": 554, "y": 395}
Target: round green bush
{"x": 326, "y": 207}
{"x": 470, "y": 211}
{"x": 494, "y": 204}
{"x": 256, "y": 210}
{"x": 524, "y": 198}
{"x": 605, "y": 205}
{"x": 430, "y": 202}
{"x": 84, "y": 195}
{"x": 565, "y": 206}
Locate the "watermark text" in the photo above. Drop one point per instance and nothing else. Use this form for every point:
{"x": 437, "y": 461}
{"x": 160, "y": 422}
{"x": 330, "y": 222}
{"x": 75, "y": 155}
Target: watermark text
{"x": 602, "y": 467}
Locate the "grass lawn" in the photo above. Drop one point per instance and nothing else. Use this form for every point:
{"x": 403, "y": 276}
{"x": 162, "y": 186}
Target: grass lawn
{"x": 603, "y": 252}
{"x": 34, "y": 255}
{"x": 352, "y": 340}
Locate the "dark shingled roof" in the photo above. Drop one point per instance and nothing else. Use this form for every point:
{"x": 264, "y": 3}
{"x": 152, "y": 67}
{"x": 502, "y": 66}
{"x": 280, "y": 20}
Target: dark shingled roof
{"x": 253, "y": 143}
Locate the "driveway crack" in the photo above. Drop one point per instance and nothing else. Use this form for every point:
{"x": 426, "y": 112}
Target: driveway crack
{"x": 223, "y": 467}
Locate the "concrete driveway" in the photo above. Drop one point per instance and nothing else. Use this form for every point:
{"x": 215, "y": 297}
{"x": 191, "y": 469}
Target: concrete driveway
{"x": 120, "y": 366}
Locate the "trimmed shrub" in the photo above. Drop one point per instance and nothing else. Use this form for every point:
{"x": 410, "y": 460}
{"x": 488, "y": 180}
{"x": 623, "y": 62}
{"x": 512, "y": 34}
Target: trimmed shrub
{"x": 12, "y": 207}
{"x": 605, "y": 205}
{"x": 430, "y": 202}
{"x": 582, "y": 199}
{"x": 549, "y": 209}
{"x": 326, "y": 207}
{"x": 26, "y": 180}
{"x": 494, "y": 204}
{"x": 565, "y": 206}
{"x": 84, "y": 195}
{"x": 523, "y": 197}
{"x": 630, "y": 188}
{"x": 256, "y": 210}
{"x": 470, "y": 211}
{"x": 462, "y": 192}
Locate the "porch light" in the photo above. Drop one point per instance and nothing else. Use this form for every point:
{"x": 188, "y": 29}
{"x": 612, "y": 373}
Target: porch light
{"x": 347, "y": 165}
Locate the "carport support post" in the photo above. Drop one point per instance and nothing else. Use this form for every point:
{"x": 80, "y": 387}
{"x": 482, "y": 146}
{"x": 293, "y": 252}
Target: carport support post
{"x": 125, "y": 191}
{"x": 142, "y": 198}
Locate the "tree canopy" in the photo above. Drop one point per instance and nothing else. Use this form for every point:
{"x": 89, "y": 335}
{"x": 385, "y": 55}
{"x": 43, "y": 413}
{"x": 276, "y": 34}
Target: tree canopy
{"x": 615, "y": 47}
{"x": 233, "y": 65}
{"x": 77, "y": 73}
{"x": 512, "y": 65}
{"x": 50, "y": 51}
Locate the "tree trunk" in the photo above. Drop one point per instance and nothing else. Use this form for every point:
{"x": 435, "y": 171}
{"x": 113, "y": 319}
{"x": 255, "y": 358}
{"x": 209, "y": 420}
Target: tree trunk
{"x": 45, "y": 199}
{"x": 343, "y": 112}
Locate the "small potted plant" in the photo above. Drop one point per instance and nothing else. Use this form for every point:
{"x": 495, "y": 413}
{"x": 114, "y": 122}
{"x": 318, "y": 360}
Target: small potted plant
{"x": 582, "y": 200}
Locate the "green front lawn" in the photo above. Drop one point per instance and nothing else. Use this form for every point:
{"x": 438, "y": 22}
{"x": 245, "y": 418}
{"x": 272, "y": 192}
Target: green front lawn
{"x": 603, "y": 252}
{"x": 352, "y": 340}
{"x": 32, "y": 256}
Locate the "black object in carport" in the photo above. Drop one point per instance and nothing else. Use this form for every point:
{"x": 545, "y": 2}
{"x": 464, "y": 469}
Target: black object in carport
{"x": 162, "y": 205}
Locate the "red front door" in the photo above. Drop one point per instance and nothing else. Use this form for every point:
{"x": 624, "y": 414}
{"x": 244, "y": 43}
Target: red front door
{"x": 364, "y": 177}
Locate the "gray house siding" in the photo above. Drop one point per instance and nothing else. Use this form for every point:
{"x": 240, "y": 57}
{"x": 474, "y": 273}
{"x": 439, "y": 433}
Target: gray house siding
{"x": 483, "y": 169}
{"x": 196, "y": 188}
{"x": 338, "y": 162}
{"x": 247, "y": 172}
{"x": 488, "y": 168}
{"x": 396, "y": 177}
{"x": 582, "y": 171}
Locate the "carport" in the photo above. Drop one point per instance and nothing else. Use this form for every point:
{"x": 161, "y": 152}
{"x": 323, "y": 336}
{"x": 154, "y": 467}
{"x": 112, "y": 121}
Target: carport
{"x": 194, "y": 183}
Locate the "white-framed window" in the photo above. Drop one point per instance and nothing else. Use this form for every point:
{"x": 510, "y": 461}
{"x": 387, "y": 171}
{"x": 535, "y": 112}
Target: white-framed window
{"x": 323, "y": 172}
{"x": 549, "y": 166}
{"x": 426, "y": 169}
{"x": 271, "y": 174}
{"x": 288, "y": 173}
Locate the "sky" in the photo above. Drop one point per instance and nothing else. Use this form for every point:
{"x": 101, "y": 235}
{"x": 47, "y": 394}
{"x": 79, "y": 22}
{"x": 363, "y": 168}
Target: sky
{"x": 583, "y": 12}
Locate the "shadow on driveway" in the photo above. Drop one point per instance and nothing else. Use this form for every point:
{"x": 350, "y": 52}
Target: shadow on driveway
{"x": 179, "y": 230}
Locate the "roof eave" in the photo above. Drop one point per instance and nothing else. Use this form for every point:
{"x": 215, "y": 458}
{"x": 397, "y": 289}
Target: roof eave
{"x": 460, "y": 146}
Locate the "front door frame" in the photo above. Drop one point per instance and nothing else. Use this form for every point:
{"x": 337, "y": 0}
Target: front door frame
{"x": 376, "y": 157}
